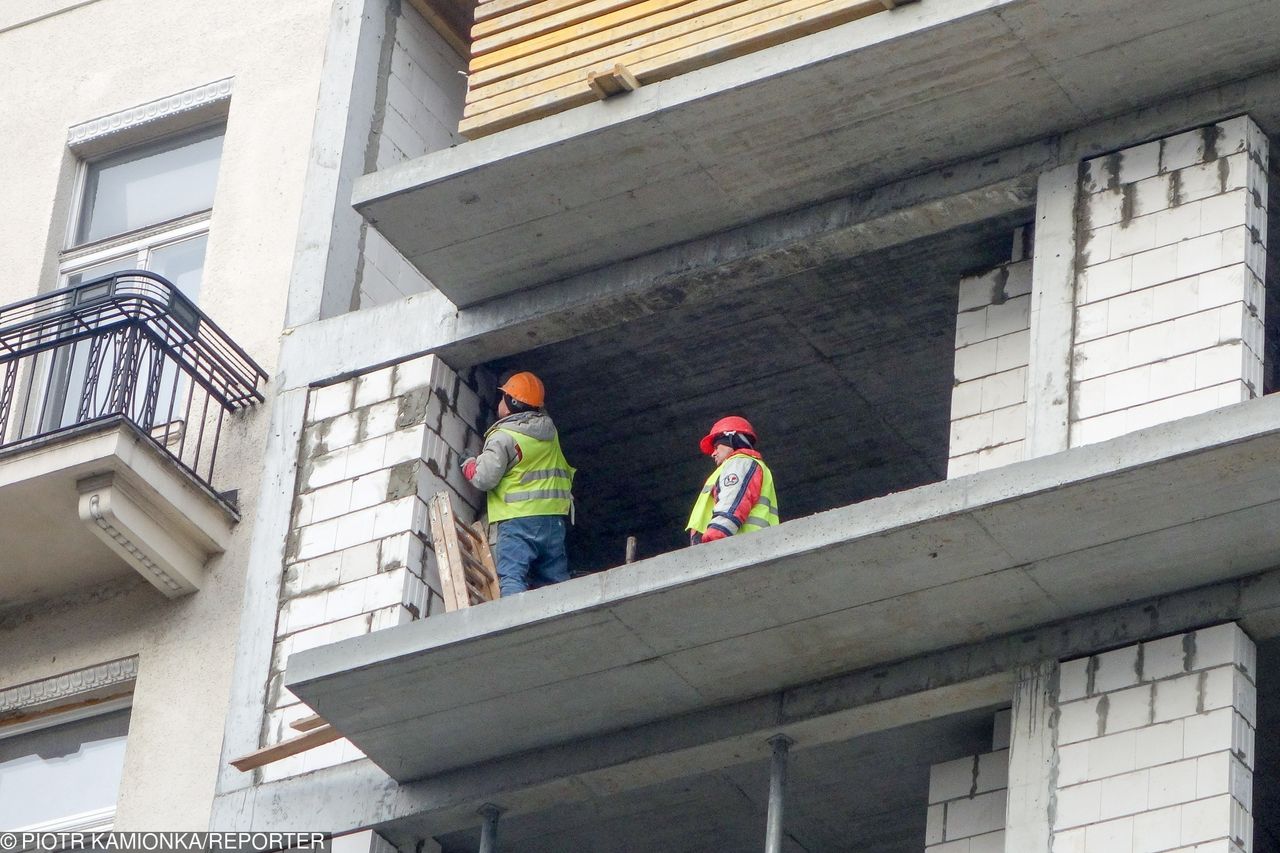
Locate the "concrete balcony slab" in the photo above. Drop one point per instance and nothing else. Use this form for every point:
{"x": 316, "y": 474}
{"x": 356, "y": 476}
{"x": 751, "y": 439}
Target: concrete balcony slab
{"x": 825, "y": 116}
{"x": 95, "y": 502}
{"x": 1169, "y": 508}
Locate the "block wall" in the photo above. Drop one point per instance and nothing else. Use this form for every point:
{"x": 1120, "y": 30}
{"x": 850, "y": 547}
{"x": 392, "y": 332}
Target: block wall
{"x": 375, "y": 448}
{"x": 1169, "y": 306}
{"x": 1155, "y": 747}
{"x": 988, "y": 400}
{"x": 420, "y": 106}
{"x": 967, "y": 801}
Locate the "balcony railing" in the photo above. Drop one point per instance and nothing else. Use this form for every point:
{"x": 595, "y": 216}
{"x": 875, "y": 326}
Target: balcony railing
{"x": 128, "y": 346}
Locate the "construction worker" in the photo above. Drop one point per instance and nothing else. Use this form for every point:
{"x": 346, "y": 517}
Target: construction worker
{"x": 529, "y": 482}
{"x": 738, "y": 497}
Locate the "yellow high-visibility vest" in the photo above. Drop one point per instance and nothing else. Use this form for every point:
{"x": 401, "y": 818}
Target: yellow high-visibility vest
{"x": 763, "y": 514}
{"x": 538, "y": 484}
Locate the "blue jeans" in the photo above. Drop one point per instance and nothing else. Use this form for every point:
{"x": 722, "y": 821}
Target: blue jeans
{"x": 531, "y": 553}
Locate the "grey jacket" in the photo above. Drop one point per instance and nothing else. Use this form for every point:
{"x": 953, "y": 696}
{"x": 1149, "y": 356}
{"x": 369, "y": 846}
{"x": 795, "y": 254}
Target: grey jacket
{"x": 500, "y": 450}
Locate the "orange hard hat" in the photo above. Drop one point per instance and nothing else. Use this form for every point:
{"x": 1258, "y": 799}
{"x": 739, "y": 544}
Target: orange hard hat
{"x": 526, "y": 388}
{"x": 727, "y": 426}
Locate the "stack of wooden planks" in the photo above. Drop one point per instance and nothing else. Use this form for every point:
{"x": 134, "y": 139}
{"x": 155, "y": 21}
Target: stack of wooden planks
{"x": 534, "y": 58}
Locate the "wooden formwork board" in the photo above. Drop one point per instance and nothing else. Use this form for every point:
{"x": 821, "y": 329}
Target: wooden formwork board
{"x": 536, "y": 59}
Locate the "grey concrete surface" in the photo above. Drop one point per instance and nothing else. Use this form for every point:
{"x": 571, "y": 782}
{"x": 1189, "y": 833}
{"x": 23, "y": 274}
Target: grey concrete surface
{"x": 942, "y": 565}
{"x": 970, "y": 676}
{"x": 928, "y": 84}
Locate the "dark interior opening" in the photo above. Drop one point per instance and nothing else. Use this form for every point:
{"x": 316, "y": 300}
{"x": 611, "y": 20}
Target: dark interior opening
{"x": 845, "y": 371}
{"x": 868, "y": 794}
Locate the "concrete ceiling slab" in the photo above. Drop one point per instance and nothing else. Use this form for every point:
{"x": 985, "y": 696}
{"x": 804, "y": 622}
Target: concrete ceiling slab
{"x": 857, "y": 586}
{"x": 821, "y": 117}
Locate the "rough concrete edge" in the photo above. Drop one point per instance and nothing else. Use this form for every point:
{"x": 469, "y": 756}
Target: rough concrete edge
{"x": 262, "y": 588}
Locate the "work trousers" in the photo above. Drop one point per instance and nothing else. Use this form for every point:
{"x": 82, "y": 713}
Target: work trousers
{"x": 531, "y": 553}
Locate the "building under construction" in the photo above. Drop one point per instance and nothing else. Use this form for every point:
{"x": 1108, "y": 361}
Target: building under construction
{"x": 989, "y": 277}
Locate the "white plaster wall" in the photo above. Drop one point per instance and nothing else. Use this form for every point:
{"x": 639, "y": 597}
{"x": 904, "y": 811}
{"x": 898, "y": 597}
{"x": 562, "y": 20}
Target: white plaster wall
{"x": 85, "y": 61}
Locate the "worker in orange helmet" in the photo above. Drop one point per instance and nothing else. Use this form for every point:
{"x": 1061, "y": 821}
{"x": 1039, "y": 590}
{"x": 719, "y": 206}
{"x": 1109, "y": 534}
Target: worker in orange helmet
{"x": 738, "y": 497}
{"x": 529, "y": 482}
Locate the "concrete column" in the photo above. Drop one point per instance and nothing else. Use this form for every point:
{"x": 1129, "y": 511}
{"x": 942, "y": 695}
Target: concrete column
{"x": 1053, "y": 284}
{"x": 1032, "y": 770}
{"x": 1169, "y": 299}
{"x": 1155, "y": 746}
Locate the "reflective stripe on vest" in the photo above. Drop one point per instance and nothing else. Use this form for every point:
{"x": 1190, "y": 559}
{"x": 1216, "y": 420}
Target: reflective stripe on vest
{"x": 763, "y": 514}
{"x": 538, "y": 484}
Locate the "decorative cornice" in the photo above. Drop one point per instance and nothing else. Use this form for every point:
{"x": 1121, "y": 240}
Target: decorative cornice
{"x": 182, "y": 102}
{"x": 69, "y": 685}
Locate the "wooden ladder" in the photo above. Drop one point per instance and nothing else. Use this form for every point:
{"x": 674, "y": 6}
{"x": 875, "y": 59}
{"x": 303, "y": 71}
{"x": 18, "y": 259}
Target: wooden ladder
{"x": 467, "y": 572}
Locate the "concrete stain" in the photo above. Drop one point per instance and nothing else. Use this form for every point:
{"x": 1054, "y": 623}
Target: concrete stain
{"x": 1127, "y": 203}
{"x": 1188, "y": 651}
{"x": 1212, "y": 136}
{"x": 1175, "y": 195}
{"x": 1000, "y": 286}
{"x": 1104, "y": 705}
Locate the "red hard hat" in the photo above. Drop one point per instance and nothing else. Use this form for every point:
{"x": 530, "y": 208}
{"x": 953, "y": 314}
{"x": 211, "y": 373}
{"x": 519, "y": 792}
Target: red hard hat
{"x": 727, "y": 426}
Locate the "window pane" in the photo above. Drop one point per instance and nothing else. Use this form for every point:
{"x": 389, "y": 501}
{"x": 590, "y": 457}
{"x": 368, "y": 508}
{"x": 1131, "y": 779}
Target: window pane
{"x": 150, "y": 185}
{"x": 128, "y": 262}
{"x": 182, "y": 264}
{"x": 62, "y": 770}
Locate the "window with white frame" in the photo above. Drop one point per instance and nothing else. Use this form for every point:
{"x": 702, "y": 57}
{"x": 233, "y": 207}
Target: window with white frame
{"x": 63, "y": 774}
{"x": 146, "y": 208}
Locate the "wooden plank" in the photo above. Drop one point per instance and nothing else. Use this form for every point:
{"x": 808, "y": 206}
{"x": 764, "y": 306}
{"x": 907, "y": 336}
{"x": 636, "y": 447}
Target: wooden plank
{"x": 477, "y": 527}
{"x": 603, "y": 29}
{"x": 699, "y": 54}
{"x": 709, "y": 14}
{"x": 493, "y": 8}
{"x": 573, "y": 23}
{"x": 646, "y": 63}
{"x": 285, "y": 748}
{"x": 448, "y": 556}
{"x": 615, "y": 81}
{"x": 496, "y": 23}
{"x": 307, "y": 723}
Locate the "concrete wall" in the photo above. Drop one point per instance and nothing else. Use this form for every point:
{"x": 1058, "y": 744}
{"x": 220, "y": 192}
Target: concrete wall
{"x": 1155, "y": 746}
{"x": 65, "y": 65}
{"x": 375, "y": 449}
{"x": 1169, "y": 295}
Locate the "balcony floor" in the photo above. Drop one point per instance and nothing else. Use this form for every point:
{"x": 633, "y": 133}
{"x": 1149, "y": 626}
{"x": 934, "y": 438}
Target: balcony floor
{"x": 931, "y": 83}
{"x": 1169, "y": 508}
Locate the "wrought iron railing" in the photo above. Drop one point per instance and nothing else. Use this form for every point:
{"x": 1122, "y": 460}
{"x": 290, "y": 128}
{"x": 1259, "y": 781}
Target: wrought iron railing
{"x": 124, "y": 346}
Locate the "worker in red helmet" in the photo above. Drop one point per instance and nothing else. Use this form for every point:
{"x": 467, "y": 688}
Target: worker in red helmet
{"x": 528, "y": 480}
{"x": 738, "y": 497}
